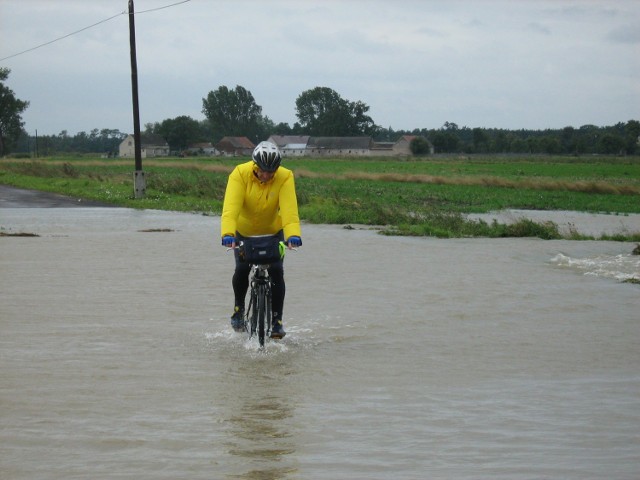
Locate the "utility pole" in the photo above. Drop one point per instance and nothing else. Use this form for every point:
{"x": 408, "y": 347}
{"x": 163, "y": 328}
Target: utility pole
{"x": 139, "y": 185}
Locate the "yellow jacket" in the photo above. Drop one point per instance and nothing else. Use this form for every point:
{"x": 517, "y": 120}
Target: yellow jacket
{"x": 253, "y": 208}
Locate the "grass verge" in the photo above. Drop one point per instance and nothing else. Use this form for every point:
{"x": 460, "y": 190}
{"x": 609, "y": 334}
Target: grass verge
{"x": 407, "y": 197}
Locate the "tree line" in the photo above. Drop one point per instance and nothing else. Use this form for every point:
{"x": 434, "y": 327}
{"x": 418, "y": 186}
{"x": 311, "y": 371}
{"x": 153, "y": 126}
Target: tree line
{"x": 619, "y": 139}
{"x": 320, "y": 111}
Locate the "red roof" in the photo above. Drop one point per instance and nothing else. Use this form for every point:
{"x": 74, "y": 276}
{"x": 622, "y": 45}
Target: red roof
{"x": 237, "y": 142}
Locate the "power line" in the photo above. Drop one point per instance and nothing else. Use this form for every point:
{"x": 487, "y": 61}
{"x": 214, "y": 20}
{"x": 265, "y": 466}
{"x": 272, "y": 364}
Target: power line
{"x": 87, "y": 28}
{"x": 60, "y": 38}
{"x": 161, "y": 8}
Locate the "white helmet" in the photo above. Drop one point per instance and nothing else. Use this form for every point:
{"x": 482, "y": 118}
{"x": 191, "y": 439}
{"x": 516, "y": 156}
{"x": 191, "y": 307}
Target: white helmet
{"x": 267, "y": 156}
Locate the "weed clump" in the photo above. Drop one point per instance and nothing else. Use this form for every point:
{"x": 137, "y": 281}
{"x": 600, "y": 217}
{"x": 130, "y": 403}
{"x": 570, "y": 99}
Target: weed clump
{"x": 452, "y": 225}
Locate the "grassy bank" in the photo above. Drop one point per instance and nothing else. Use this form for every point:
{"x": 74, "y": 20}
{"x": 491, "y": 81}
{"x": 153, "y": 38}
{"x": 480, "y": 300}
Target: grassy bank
{"x": 408, "y": 196}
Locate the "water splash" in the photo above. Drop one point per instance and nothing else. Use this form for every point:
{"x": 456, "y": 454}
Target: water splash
{"x": 622, "y": 267}
{"x": 306, "y": 333}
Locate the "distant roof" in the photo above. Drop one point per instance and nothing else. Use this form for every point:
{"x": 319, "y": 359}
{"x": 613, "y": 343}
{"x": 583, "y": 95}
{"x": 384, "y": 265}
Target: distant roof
{"x": 151, "y": 139}
{"x": 339, "y": 142}
{"x": 237, "y": 142}
{"x": 284, "y": 140}
{"x": 382, "y": 145}
{"x": 201, "y": 145}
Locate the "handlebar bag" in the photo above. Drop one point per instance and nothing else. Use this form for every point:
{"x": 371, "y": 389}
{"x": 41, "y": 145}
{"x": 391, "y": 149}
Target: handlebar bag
{"x": 260, "y": 250}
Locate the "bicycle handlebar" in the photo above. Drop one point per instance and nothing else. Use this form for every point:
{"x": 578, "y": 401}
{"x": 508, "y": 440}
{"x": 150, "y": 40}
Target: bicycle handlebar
{"x": 240, "y": 243}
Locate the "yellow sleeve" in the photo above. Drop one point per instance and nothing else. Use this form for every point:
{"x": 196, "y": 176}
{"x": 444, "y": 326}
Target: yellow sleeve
{"x": 233, "y": 201}
{"x": 289, "y": 208}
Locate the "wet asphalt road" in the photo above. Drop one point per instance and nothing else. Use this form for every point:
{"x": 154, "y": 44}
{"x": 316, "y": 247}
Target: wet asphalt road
{"x": 11, "y": 197}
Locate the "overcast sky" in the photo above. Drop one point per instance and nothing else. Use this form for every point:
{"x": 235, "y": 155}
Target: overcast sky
{"x": 416, "y": 64}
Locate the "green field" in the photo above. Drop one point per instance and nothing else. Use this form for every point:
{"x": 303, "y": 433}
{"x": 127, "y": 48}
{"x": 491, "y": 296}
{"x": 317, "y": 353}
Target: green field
{"x": 416, "y": 196}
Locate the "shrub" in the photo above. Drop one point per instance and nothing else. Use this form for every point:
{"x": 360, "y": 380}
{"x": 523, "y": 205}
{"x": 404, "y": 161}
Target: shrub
{"x": 419, "y": 146}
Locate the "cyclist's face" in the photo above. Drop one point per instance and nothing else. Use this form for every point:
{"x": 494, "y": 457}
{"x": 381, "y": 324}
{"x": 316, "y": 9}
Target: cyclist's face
{"x": 264, "y": 176}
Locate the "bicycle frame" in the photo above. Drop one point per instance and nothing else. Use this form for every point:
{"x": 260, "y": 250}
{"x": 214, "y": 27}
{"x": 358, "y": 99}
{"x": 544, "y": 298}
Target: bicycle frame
{"x": 259, "y": 314}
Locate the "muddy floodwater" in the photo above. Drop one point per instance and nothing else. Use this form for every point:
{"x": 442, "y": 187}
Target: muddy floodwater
{"x": 405, "y": 357}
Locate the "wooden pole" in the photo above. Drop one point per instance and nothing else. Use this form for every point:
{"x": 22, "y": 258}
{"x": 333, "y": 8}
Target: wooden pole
{"x": 138, "y": 176}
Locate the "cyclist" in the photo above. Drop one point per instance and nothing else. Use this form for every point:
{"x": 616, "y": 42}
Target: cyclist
{"x": 260, "y": 199}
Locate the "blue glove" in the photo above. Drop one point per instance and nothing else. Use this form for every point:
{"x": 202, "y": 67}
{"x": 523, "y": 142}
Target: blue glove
{"x": 294, "y": 241}
{"x": 228, "y": 240}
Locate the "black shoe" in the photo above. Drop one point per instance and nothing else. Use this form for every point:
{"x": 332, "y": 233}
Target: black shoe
{"x": 237, "y": 319}
{"x": 277, "y": 330}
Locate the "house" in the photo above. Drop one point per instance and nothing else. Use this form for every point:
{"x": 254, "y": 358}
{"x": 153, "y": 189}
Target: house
{"x": 383, "y": 149}
{"x": 339, "y": 146}
{"x": 290, "y": 145}
{"x": 302, "y": 145}
{"x": 403, "y": 145}
{"x": 206, "y": 149}
{"x": 234, "y": 146}
{"x": 151, "y": 145}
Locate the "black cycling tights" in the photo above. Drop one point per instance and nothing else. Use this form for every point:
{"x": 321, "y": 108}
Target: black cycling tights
{"x": 240, "y": 284}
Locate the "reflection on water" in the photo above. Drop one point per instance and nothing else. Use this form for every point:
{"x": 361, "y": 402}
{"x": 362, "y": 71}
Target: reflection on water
{"x": 405, "y": 357}
{"x": 258, "y": 436}
{"x": 259, "y": 392}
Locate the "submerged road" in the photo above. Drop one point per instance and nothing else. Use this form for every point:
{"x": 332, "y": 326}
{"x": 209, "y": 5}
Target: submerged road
{"x": 12, "y": 197}
{"x": 405, "y": 357}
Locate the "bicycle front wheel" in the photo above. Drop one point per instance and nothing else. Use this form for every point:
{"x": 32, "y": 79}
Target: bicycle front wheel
{"x": 262, "y": 314}
{"x": 253, "y": 312}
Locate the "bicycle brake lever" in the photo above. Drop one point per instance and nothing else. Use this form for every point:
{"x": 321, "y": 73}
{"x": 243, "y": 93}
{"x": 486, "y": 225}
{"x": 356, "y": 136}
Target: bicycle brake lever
{"x": 238, "y": 245}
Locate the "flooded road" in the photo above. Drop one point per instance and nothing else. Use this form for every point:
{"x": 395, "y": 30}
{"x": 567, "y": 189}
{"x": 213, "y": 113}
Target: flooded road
{"x": 405, "y": 357}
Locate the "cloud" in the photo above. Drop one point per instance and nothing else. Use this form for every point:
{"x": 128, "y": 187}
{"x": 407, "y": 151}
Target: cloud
{"x": 539, "y": 28}
{"x": 625, "y": 34}
{"x": 490, "y": 63}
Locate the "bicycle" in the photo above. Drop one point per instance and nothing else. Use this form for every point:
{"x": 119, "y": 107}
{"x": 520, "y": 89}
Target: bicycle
{"x": 259, "y": 314}
{"x": 260, "y": 252}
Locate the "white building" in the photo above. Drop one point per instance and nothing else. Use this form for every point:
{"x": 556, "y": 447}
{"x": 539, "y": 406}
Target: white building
{"x": 307, "y": 146}
{"x": 150, "y": 145}
{"x": 290, "y": 145}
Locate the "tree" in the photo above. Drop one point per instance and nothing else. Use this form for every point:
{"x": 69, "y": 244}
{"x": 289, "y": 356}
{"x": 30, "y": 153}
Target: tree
{"x": 232, "y": 112}
{"x": 612, "y": 144}
{"x": 569, "y": 143}
{"x": 519, "y": 145}
{"x": 446, "y": 140}
{"x": 282, "y": 128}
{"x": 480, "y": 140}
{"x": 549, "y": 144}
{"x": 321, "y": 111}
{"x": 105, "y": 141}
{"x": 266, "y": 127}
{"x": 419, "y": 146}
{"x": 180, "y": 132}
{"x": 11, "y": 110}
{"x": 388, "y": 135}
{"x": 632, "y": 136}
{"x": 501, "y": 142}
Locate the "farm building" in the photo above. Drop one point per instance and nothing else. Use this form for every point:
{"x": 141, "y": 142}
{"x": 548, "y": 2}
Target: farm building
{"x": 206, "y": 149}
{"x": 150, "y": 146}
{"x": 302, "y": 145}
{"x": 234, "y": 146}
{"x": 290, "y": 145}
{"x": 338, "y": 146}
